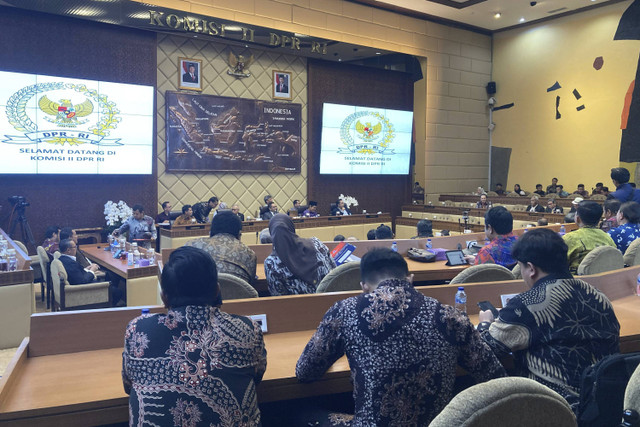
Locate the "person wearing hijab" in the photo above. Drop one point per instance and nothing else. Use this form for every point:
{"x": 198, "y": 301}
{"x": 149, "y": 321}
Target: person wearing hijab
{"x": 296, "y": 265}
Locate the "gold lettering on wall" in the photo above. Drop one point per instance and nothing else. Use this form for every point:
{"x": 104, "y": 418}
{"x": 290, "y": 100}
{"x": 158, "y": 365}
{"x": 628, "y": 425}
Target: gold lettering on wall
{"x": 212, "y": 28}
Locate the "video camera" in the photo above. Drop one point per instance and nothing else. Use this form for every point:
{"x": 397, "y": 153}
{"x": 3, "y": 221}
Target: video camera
{"x": 19, "y": 201}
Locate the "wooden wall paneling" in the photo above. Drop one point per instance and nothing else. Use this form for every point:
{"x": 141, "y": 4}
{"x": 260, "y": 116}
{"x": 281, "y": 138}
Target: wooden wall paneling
{"x": 92, "y": 51}
{"x": 353, "y": 85}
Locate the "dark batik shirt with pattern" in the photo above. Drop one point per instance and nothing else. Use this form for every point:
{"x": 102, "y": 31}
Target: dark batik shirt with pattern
{"x": 194, "y": 366}
{"x": 624, "y": 234}
{"x": 230, "y": 254}
{"x": 498, "y": 251}
{"x": 282, "y": 281}
{"x": 403, "y": 349}
{"x": 556, "y": 330}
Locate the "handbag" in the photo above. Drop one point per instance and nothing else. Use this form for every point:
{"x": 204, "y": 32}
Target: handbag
{"x": 422, "y": 255}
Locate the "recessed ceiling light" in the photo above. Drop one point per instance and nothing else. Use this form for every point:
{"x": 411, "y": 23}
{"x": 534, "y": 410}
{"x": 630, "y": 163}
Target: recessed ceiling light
{"x": 497, "y": 15}
{"x": 522, "y": 19}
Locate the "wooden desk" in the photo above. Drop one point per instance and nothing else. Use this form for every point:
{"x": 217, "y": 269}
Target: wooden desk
{"x": 142, "y": 282}
{"x": 68, "y": 372}
{"x": 532, "y": 217}
{"x": 522, "y": 200}
{"x": 422, "y": 271}
{"x": 323, "y": 227}
{"x": 17, "y": 298}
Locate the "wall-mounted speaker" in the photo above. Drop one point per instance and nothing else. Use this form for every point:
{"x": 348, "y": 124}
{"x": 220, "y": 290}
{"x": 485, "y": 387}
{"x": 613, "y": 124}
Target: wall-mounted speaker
{"x": 491, "y": 88}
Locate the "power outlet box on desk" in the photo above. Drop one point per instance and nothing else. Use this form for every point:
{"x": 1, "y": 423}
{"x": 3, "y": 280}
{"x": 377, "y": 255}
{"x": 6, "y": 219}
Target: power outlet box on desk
{"x": 260, "y": 319}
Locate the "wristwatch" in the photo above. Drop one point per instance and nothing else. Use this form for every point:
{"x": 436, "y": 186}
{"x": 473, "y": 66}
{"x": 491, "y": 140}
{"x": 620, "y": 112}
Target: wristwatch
{"x": 483, "y": 326}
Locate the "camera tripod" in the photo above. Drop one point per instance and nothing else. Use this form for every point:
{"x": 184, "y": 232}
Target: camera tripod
{"x": 25, "y": 228}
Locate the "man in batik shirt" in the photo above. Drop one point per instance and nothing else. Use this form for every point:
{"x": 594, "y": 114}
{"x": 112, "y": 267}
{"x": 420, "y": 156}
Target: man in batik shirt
{"x": 498, "y": 226}
{"x": 195, "y": 365}
{"x": 403, "y": 347}
{"x": 560, "y": 326}
{"x": 230, "y": 254}
{"x": 139, "y": 225}
{"x": 588, "y": 236}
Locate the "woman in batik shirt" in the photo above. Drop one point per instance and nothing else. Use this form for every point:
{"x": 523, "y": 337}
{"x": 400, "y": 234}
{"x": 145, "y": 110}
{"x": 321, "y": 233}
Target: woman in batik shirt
{"x": 195, "y": 365}
{"x": 296, "y": 265}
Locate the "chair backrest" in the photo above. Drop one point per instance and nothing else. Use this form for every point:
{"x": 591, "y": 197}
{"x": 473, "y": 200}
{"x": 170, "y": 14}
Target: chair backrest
{"x": 233, "y": 287}
{"x": 601, "y": 259}
{"x": 43, "y": 255}
{"x": 483, "y": 273}
{"x": 511, "y": 401}
{"x": 44, "y": 264}
{"x": 59, "y": 279}
{"x": 21, "y": 245}
{"x": 517, "y": 273}
{"x": 512, "y": 194}
{"x": 632, "y": 254}
{"x": 492, "y": 194}
{"x": 632, "y": 392}
{"x": 598, "y": 197}
{"x": 345, "y": 277}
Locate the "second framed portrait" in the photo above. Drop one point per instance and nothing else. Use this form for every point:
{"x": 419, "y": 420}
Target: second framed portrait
{"x": 281, "y": 84}
{"x": 190, "y": 74}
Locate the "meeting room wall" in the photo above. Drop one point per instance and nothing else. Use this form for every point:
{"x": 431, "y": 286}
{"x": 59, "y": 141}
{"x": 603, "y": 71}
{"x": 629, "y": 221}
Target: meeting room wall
{"x": 582, "y": 145}
{"x": 354, "y": 85}
{"x": 451, "y": 110}
{"x": 39, "y": 43}
{"x": 246, "y": 189}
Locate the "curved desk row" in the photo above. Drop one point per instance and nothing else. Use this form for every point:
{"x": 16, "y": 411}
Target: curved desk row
{"x": 522, "y": 200}
{"x": 324, "y": 228}
{"x": 68, "y": 371}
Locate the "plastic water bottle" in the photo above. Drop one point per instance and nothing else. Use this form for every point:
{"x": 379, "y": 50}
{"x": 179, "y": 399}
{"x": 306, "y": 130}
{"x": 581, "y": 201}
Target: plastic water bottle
{"x": 461, "y": 299}
{"x": 638, "y": 286}
{"x": 429, "y": 244}
{"x": 136, "y": 253}
{"x": 562, "y": 230}
{"x": 12, "y": 260}
{"x": 145, "y": 311}
{"x": 130, "y": 259}
{"x": 151, "y": 255}
{"x": 394, "y": 247}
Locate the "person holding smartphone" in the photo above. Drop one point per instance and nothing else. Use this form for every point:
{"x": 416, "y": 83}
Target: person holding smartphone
{"x": 498, "y": 227}
{"x": 557, "y": 328}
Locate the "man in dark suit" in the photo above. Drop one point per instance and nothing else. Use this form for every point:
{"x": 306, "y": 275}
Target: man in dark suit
{"x": 535, "y": 206}
{"x": 236, "y": 210}
{"x": 76, "y": 274}
{"x": 282, "y": 87}
{"x": 191, "y": 76}
{"x": 271, "y": 212}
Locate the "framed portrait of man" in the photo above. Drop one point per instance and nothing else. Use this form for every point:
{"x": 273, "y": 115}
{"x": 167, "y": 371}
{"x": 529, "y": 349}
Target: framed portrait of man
{"x": 282, "y": 84}
{"x": 190, "y": 74}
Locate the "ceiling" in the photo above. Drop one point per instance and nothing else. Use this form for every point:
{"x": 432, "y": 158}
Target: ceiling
{"x": 480, "y": 14}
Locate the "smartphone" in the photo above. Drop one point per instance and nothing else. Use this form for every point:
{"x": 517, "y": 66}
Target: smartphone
{"x": 486, "y": 305}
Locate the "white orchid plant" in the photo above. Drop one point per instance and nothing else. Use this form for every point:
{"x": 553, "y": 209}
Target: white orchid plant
{"x": 348, "y": 201}
{"x": 115, "y": 214}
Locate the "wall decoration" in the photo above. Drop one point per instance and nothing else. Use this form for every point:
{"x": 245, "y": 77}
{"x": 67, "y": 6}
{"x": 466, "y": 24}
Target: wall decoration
{"x": 629, "y": 29}
{"x": 281, "y": 84}
{"x": 216, "y": 133}
{"x": 190, "y": 74}
{"x": 598, "y": 63}
{"x": 239, "y": 65}
{"x": 555, "y": 86}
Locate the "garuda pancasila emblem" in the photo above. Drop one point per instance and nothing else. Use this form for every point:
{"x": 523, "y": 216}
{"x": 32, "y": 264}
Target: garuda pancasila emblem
{"x": 366, "y": 131}
{"x": 65, "y": 113}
